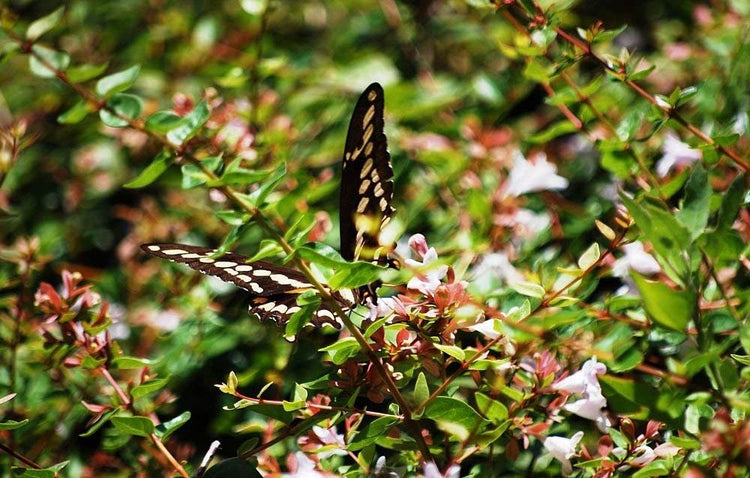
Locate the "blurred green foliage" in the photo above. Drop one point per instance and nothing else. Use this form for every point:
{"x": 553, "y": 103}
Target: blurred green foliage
{"x": 463, "y": 100}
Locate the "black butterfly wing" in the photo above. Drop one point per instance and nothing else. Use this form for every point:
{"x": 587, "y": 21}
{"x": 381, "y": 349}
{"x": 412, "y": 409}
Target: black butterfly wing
{"x": 274, "y": 288}
{"x": 366, "y": 182}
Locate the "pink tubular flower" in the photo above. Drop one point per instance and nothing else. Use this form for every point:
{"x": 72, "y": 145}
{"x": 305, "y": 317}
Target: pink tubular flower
{"x": 676, "y": 154}
{"x": 585, "y": 383}
{"x": 562, "y": 449}
{"x": 429, "y": 274}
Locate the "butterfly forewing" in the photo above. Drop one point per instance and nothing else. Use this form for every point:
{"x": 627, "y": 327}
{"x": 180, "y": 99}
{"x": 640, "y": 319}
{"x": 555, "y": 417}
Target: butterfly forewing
{"x": 366, "y": 180}
{"x": 275, "y": 288}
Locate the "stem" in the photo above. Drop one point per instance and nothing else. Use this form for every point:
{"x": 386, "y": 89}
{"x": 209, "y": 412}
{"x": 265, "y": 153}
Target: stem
{"x": 311, "y": 405}
{"x": 19, "y": 457}
{"x": 172, "y": 461}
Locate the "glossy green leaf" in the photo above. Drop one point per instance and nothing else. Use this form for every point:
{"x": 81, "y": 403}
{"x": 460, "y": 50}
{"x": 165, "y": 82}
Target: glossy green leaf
{"x": 454, "y": 417}
{"x": 163, "y": 121}
{"x": 258, "y": 197}
{"x": 105, "y": 418}
{"x": 117, "y": 82}
{"x": 48, "y": 62}
{"x": 138, "y": 426}
{"x": 494, "y": 410}
{"x": 151, "y": 173}
{"x": 529, "y": 289}
{"x": 371, "y": 433}
{"x": 355, "y": 274}
{"x": 49, "y": 472}
{"x": 694, "y": 208}
{"x": 731, "y": 203}
{"x": 85, "y": 72}
{"x": 13, "y": 424}
{"x": 149, "y": 387}
{"x": 167, "y": 428}
{"x": 190, "y": 124}
{"x": 342, "y": 350}
{"x": 121, "y": 107}
{"x": 666, "y": 306}
{"x": 125, "y": 362}
{"x": 421, "y": 389}
{"x": 75, "y": 114}
{"x": 42, "y": 25}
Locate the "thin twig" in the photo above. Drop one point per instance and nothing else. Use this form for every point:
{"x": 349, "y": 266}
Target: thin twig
{"x": 19, "y": 457}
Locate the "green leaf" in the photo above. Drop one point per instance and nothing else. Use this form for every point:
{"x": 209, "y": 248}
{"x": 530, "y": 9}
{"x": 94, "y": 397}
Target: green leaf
{"x": 193, "y": 176}
{"x": 125, "y": 362}
{"x": 190, "y": 124}
{"x": 731, "y": 203}
{"x": 138, "y": 426}
{"x": 495, "y": 410}
{"x": 106, "y": 417}
{"x": 655, "y": 468}
{"x": 167, "y": 428}
{"x": 455, "y": 352}
{"x": 454, "y": 417}
{"x": 298, "y": 400}
{"x": 300, "y": 318}
{"x": 668, "y": 236}
{"x": 117, "y": 82}
{"x": 236, "y": 174}
{"x": 85, "y": 72}
{"x": 232, "y": 468}
{"x": 529, "y": 289}
{"x": 743, "y": 359}
{"x": 376, "y": 430}
{"x": 149, "y": 387}
{"x": 667, "y": 307}
{"x": 355, "y": 274}
{"x": 341, "y": 350}
{"x": 13, "y": 424}
{"x": 551, "y": 132}
{"x": 268, "y": 248}
{"x": 233, "y": 218}
{"x": 49, "y": 472}
{"x": 119, "y": 107}
{"x": 694, "y": 208}
{"x": 163, "y": 121}
{"x": 75, "y": 114}
{"x": 90, "y": 363}
{"x": 589, "y": 257}
{"x": 421, "y": 389}
{"x": 151, "y": 173}
{"x": 322, "y": 255}
{"x": 258, "y": 197}
{"x": 42, "y": 25}
{"x": 536, "y": 72}
{"x": 56, "y": 59}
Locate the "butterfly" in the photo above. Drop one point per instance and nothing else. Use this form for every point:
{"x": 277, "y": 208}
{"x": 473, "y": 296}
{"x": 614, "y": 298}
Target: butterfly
{"x": 364, "y": 208}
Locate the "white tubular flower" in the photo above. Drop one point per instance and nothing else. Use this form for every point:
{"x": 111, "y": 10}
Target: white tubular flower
{"x": 562, "y": 449}
{"x": 529, "y": 176}
{"x": 675, "y": 154}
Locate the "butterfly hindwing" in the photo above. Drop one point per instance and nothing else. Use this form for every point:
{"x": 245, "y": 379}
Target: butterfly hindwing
{"x": 366, "y": 180}
{"x": 275, "y": 288}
